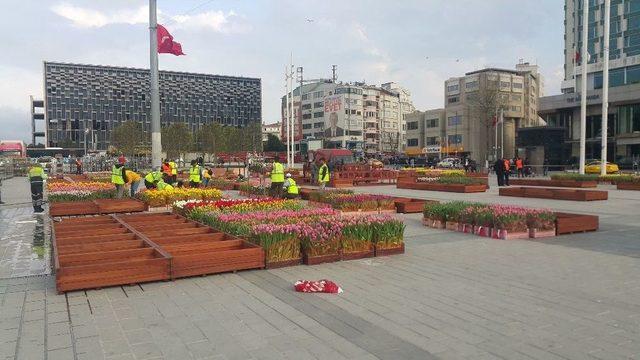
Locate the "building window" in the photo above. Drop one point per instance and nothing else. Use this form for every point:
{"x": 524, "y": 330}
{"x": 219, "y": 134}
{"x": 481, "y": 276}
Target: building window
{"x": 516, "y": 97}
{"x": 318, "y": 104}
{"x": 413, "y": 125}
{"x": 505, "y": 84}
{"x": 318, "y": 94}
{"x": 306, "y": 126}
{"x": 517, "y": 85}
{"x": 455, "y": 139}
{"x": 453, "y": 99}
{"x": 452, "y": 88}
{"x": 306, "y": 106}
{"x": 471, "y": 85}
{"x": 516, "y": 108}
{"x": 305, "y": 96}
{"x": 432, "y": 140}
{"x": 454, "y": 120}
{"x": 412, "y": 142}
{"x": 318, "y": 114}
{"x": 306, "y": 116}
{"x": 318, "y": 125}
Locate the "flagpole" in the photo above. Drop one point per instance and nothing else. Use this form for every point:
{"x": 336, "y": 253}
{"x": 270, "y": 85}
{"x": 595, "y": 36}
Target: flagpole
{"x": 605, "y": 87}
{"x": 156, "y": 142}
{"x": 502, "y": 134}
{"x": 584, "y": 57}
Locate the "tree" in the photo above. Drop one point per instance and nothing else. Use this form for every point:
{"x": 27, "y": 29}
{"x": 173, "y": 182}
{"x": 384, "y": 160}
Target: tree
{"x": 176, "y": 140}
{"x": 273, "y": 143}
{"x": 483, "y": 107}
{"x": 128, "y": 137}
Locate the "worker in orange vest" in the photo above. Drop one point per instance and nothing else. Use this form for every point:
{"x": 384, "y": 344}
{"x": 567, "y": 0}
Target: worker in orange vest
{"x": 520, "y": 166}
{"x": 507, "y": 170}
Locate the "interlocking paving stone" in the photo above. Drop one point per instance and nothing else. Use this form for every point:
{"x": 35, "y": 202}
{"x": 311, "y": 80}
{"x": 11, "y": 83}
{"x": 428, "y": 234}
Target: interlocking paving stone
{"x": 451, "y": 296}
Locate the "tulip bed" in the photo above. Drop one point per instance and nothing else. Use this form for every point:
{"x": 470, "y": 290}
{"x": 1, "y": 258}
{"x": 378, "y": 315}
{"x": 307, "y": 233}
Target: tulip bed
{"x": 497, "y": 221}
{"x": 253, "y": 191}
{"x": 100, "y": 176}
{"x": 62, "y": 191}
{"x": 235, "y": 205}
{"x": 347, "y": 201}
{"x": 155, "y": 198}
{"x": 296, "y": 234}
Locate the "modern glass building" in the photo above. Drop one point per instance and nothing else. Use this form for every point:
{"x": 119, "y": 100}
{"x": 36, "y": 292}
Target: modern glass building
{"x": 89, "y": 101}
{"x": 624, "y": 81}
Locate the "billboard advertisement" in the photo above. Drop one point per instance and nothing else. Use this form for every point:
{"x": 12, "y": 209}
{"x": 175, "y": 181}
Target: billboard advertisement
{"x": 334, "y": 116}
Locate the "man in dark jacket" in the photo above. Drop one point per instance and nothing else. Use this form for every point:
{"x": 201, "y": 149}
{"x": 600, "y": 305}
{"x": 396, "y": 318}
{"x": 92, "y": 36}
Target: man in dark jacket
{"x": 498, "y": 167}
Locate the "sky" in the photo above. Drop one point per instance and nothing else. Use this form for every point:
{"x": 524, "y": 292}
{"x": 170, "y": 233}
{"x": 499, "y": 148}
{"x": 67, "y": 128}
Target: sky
{"x": 415, "y": 43}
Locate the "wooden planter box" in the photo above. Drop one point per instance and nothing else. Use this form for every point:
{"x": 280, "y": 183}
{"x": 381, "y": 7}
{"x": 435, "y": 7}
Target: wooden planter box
{"x": 506, "y": 235}
{"x": 340, "y": 183}
{"x": 313, "y": 254}
{"x": 355, "y": 255}
{"x": 537, "y": 234}
{"x": 457, "y": 188}
{"x": 568, "y": 223}
{"x": 554, "y": 183}
{"x": 383, "y": 251}
{"x": 411, "y": 206}
{"x": 628, "y": 186}
{"x": 96, "y": 207}
{"x": 305, "y": 193}
{"x": 555, "y": 194}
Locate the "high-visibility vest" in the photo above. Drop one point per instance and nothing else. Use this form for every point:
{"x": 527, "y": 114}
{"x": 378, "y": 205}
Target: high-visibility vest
{"x": 153, "y": 176}
{"x": 519, "y": 163}
{"x": 194, "y": 173}
{"x": 174, "y": 168}
{"x": 164, "y": 186}
{"x": 277, "y": 173}
{"x": 293, "y": 188}
{"x": 507, "y": 165}
{"x": 324, "y": 178}
{"x": 37, "y": 171}
{"x": 116, "y": 175}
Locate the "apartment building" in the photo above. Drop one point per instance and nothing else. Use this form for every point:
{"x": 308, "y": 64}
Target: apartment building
{"x": 353, "y": 116}
{"x": 474, "y": 103}
{"x": 271, "y": 129}
{"x": 425, "y": 131}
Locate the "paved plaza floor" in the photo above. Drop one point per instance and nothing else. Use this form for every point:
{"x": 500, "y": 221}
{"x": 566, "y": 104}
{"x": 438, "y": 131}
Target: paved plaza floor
{"x": 451, "y": 296}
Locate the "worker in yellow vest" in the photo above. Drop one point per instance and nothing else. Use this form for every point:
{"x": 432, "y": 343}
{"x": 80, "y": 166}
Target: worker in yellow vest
{"x": 152, "y": 178}
{"x": 277, "y": 177}
{"x": 174, "y": 171}
{"x": 133, "y": 180}
{"x": 118, "y": 177}
{"x": 36, "y": 178}
{"x": 290, "y": 187}
{"x": 195, "y": 174}
{"x": 164, "y": 186}
{"x": 323, "y": 174}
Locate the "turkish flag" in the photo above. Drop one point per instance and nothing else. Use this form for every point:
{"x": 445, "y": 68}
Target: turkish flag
{"x": 166, "y": 45}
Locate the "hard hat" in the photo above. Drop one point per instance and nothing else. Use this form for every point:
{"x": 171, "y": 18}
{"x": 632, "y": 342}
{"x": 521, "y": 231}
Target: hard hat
{"x": 288, "y": 175}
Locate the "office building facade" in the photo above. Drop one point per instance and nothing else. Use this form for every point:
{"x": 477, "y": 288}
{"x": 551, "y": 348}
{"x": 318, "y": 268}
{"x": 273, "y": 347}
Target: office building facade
{"x": 425, "y": 131}
{"x": 475, "y": 102}
{"x": 623, "y": 118}
{"x": 92, "y": 100}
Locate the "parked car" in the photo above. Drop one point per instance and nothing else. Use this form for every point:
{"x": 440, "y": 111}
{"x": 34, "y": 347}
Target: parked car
{"x": 449, "y": 163}
{"x": 593, "y": 167}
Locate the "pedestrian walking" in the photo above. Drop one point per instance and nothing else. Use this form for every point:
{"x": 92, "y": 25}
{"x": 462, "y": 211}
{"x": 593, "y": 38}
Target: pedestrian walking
{"x": 498, "y": 167}
{"x": 314, "y": 172}
{"x": 78, "y": 166}
{"x": 277, "y": 177}
{"x": 545, "y": 167}
{"x": 323, "y": 174}
{"x": 206, "y": 176}
{"x": 118, "y": 177}
{"x": 290, "y": 187}
{"x": 1, "y": 202}
{"x": 133, "y": 180}
{"x": 507, "y": 170}
{"x": 36, "y": 178}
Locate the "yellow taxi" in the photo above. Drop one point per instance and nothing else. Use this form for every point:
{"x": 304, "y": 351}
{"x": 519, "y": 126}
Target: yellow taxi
{"x": 593, "y": 167}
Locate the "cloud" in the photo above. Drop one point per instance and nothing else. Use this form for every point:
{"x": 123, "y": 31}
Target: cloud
{"x": 90, "y": 18}
{"x": 218, "y": 21}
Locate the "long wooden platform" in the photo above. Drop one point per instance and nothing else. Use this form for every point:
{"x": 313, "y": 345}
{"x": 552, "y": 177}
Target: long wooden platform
{"x": 96, "y": 207}
{"x": 100, "y": 251}
{"x": 554, "y": 193}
